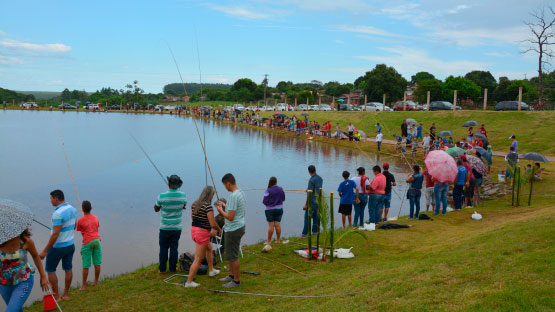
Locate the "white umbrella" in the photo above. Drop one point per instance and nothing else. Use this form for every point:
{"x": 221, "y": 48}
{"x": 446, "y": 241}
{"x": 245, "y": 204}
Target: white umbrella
{"x": 15, "y": 218}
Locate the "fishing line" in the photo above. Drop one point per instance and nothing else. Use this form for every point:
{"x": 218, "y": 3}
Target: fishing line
{"x": 149, "y": 159}
{"x": 46, "y": 226}
{"x": 68, "y": 165}
{"x": 269, "y": 295}
{"x": 198, "y": 132}
{"x": 201, "y": 98}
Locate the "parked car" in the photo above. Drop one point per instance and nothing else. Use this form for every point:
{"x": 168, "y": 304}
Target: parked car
{"x": 302, "y": 107}
{"x": 347, "y": 107}
{"x": 411, "y": 106}
{"x": 29, "y": 105}
{"x": 238, "y": 107}
{"x": 170, "y": 107}
{"x": 228, "y": 108}
{"x": 374, "y": 107}
{"x": 92, "y": 106}
{"x": 325, "y": 107}
{"x": 159, "y": 107}
{"x": 66, "y": 106}
{"x": 511, "y": 105}
{"x": 442, "y": 105}
{"x": 312, "y": 107}
{"x": 281, "y": 107}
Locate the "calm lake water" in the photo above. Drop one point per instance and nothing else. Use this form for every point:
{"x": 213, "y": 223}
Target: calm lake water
{"x": 111, "y": 171}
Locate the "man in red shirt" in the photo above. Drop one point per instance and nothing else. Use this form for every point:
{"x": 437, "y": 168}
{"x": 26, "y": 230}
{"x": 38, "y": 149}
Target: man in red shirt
{"x": 483, "y": 130}
{"x": 377, "y": 193}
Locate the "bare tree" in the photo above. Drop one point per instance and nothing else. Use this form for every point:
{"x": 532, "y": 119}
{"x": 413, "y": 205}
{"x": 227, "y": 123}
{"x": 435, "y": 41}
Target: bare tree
{"x": 542, "y": 38}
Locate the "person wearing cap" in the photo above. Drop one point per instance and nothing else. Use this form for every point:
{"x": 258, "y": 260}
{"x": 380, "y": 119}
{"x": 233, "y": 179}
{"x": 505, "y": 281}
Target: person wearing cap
{"x": 389, "y": 183}
{"x": 170, "y": 204}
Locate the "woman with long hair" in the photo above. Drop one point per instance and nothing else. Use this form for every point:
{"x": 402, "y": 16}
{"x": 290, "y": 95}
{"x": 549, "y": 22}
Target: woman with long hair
{"x": 16, "y": 273}
{"x": 204, "y": 226}
{"x": 274, "y": 197}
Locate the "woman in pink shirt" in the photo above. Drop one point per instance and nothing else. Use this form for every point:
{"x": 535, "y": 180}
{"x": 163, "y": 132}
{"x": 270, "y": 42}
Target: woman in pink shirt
{"x": 377, "y": 193}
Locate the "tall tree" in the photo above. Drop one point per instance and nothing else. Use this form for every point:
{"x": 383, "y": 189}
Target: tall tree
{"x": 66, "y": 95}
{"x": 465, "y": 88}
{"x": 432, "y": 85}
{"x": 244, "y": 83}
{"x": 416, "y": 78}
{"x": 484, "y": 79}
{"x": 384, "y": 80}
{"x": 542, "y": 28}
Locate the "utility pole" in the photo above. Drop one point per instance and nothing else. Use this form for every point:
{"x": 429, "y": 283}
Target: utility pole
{"x": 265, "y": 83}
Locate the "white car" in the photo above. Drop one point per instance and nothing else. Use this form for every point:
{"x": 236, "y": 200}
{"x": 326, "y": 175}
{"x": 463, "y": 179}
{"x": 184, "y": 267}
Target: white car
{"x": 170, "y": 107}
{"x": 238, "y": 107}
{"x": 325, "y": 107}
{"x": 374, "y": 107}
{"x": 269, "y": 108}
{"x": 281, "y": 107}
{"x": 302, "y": 107}
{"x": 29, "y": 105}
{"x": 313, "y": 107}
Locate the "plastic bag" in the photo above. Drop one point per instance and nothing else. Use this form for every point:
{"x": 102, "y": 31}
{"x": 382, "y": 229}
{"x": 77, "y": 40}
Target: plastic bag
{"x": 476, "y": 216}
{"x": 368, "y": 227}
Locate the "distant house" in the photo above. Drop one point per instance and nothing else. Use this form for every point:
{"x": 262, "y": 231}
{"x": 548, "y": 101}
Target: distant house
{"x": 177, "y": 99}
{"x": 355, "y": 98}
{"x": 410, "y": 92}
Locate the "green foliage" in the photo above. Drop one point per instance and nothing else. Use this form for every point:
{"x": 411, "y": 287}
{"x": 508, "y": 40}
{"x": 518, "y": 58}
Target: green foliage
{"x": 176, "y": 89}
{"x": 484, "y": 79}
{"x": 244, "y": 83}
{"x": 421, "y": 76}
{"x": 432, "y": 85}
{"x": 529, "y": 92}
{"x": 500, "y": 93}
{"x": 465, "y": 88}
{"x": 9, "y": 96}
{"x": 304, "y": 95}
{"x": 383, "y": 79}
{"x": 337, "y": 89}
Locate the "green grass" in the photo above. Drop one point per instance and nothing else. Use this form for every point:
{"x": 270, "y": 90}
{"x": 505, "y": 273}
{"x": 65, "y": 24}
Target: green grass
{"x": 534, "y": 130}
{"x": 504, "y": 262}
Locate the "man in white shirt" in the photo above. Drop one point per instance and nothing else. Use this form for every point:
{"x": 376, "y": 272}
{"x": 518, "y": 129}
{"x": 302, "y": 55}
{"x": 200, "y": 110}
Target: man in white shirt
{"x": 426, "y": 143}
{"x": 379, "y": 137}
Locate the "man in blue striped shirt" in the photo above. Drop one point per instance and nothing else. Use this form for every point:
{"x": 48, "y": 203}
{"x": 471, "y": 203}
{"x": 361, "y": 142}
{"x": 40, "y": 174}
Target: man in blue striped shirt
{"x": 60, "y": 246}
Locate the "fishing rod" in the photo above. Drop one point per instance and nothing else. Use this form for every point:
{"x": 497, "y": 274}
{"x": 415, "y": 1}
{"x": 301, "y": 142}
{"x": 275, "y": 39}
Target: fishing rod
{"x": 149, "y": 159}
{"x": 196, "y": 127}
{"x": 46, "y": 226}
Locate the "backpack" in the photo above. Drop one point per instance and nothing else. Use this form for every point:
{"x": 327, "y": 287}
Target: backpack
{"x": 186, "y": 261}
{"x": 424, "y": 216}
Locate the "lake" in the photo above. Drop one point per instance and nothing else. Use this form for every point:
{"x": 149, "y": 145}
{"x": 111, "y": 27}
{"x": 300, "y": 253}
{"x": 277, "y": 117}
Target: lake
{"x": 111, "y": 171}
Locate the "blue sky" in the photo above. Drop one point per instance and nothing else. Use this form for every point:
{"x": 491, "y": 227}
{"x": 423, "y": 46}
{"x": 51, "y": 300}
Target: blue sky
{"x": 85, "y": 45}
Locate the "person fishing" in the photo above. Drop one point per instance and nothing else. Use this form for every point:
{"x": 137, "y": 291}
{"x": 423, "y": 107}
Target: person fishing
{"x": 16, "y": 273}
{"x": 274, "y": 197}
{"x": 377, "y": 193}
{"x": 60, "y": 246}
{"x": 314, "y": 185}
{"x": 415, "y": 191}
{"x": 361, "y": 196}
{"x": 234, "y": 229}
{"x": 170, "y": 204}
{"x": 203, "y": 227}
{"x": 389, "y": 183}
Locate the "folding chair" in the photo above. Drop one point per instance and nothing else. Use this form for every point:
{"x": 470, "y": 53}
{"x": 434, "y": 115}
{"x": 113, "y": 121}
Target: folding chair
{"x": 218, "y": 244}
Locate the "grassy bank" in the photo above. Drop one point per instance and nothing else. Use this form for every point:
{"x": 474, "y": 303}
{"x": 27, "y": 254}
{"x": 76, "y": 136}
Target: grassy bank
{"x": 534, "y": 130}
{"x": 504, "y": 262}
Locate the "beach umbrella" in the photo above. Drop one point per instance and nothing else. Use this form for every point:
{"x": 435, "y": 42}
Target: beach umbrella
{"x": 362, "y": 133}
{"x": 280, "y": 115}
{"x": 304, "y": 114}
{"x": 455, "y": 151}
{"x": 483, "y": 138}
{"x": 411, "y": 121}
{"x": 15, "y": 219}
{"x": 441, "y": 166}
{"x": 445, "y": 133}
{"x": 534, "y": 157}
{"x": 470, "y": 123}
{"x": 477, "y": 164}
{"x": 341, "y": 100}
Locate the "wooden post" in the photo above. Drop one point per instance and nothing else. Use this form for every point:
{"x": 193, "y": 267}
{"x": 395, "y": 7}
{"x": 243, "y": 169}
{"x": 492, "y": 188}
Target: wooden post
{"x": 332, "y": 226}
{"x": 365, "y": 102}
{"x": 295, "y": 103}
{"x": 455, "y": 101}
{"x": 428, "y": 101}
{"x": 318, "y": 235}
{"x": 519, "y": 98}
{"x": 384, "y": 100}
{"x": 332, "y": 102}
{"x": 309, "y": 226}
{"x": 405, "y": 101}
{"x": 531, "y": 183}
{"x": 485, "y": 98}
{"x": 513, "y": 186}
{"x": 518, "y": 188}
{"x": 319, "y": 102}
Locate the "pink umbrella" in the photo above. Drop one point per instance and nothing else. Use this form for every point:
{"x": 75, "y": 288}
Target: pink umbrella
{"x": 441, "y": 166}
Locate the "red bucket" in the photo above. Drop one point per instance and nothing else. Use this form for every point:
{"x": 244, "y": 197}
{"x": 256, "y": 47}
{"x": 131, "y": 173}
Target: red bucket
{"x": 48, "y": 302}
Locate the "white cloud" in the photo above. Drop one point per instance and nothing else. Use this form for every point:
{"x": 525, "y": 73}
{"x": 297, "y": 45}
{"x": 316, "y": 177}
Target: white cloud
{"x": 2, "y": 33}
{"x": 339, "y": 41}
{"x": 498, "y": 54}
{"x": 409, "y": 61}
{"x": 6, "y": 60}
{"x": 458, "y": 8}
{"x": 349, "y": 70}
{"x": 47, "y": 47}
{"x": 480, "y": 36}
{"x": 332, "y": 5}
{"x": 369, "y": 30}
{"x": 240, "y": 12}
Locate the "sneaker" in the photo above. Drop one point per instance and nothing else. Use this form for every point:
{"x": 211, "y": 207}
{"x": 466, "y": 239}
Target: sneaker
{"x": 228, "y": 278}
{"x": 214, "y": 273}
{"x": 468, "y": 206}
{"x": 384, "y": 219}
{"x": 191, "y": 285}
{"x": 232, "y": 284}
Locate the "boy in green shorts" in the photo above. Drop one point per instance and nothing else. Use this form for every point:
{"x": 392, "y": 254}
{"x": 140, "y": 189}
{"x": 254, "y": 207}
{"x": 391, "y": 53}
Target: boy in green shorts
{"x": 88, "y": 226}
